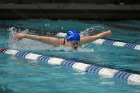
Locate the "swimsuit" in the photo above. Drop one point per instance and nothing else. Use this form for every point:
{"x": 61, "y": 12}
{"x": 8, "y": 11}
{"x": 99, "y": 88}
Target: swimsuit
{"x": 64, "y": 42}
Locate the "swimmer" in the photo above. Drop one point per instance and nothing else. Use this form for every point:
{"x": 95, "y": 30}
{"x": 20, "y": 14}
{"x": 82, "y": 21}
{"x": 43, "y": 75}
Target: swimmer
{"x": 72, "y": 39}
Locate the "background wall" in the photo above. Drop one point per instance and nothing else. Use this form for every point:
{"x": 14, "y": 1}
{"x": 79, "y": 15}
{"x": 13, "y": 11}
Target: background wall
{"x": 70, "y": 9}
{"x": 73, "y": 1}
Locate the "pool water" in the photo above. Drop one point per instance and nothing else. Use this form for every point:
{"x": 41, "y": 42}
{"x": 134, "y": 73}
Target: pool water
{"x": 26, "y": 76}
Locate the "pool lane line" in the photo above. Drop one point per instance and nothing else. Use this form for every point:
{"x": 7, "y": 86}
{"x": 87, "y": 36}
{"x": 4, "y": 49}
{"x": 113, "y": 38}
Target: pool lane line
{"x": 117, "y": 43}
{"x": 117, "y": 26}
{"x": 110, "y": 42}
{"x": 110, "y": 73}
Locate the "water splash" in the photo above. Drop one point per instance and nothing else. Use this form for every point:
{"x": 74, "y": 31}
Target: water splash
{"x": 69, "y": 49}
{"x": 24, "y": 44}
{"x": 83, "y": 49}
{"x": 92, "y": 30}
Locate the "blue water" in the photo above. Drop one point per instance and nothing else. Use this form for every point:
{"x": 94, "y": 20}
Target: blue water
{"x": 26, "y": 76}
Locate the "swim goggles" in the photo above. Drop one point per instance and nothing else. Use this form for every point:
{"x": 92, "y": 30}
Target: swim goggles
{"x": 75, "y": 42}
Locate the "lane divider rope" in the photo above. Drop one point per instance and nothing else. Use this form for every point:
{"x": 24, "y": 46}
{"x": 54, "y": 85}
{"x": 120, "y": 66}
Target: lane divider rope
{"x": 124, "y": 27}
{"x": 130, "y": 77}
{"x": 117, "y": 43}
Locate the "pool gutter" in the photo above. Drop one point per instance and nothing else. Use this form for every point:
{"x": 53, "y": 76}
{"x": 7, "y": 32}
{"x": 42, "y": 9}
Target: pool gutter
{"x": 70, "y": 11}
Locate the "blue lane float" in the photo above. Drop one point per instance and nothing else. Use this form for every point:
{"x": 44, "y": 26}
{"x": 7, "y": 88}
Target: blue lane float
{"x": 107, "y": 72}
{"x": 110, "y": 42}
{"x": 117, "y": 43}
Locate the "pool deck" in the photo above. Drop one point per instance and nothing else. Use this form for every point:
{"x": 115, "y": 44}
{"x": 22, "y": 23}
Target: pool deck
{"x": 69, "y": 11}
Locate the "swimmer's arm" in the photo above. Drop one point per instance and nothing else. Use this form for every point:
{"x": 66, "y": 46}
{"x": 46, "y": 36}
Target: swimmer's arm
{"x": 49, "y": 40}
{"x": 88, "y": 39}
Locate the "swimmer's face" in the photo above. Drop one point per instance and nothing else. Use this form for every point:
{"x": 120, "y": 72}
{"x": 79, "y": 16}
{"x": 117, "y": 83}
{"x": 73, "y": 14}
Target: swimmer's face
{"x": 75, "y": 44}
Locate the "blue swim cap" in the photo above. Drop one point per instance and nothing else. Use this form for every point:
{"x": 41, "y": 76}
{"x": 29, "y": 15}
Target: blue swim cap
{"x": 72, "y": 35}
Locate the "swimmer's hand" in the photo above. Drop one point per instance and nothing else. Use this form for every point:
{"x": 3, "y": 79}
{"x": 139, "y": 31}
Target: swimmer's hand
{"x": 109, "y": 32}
{"x": 19, "y": 36}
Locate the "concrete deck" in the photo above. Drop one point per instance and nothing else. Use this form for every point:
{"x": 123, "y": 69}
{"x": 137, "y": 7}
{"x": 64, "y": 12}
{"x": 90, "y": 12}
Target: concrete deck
{"x": 69, "y": 11}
